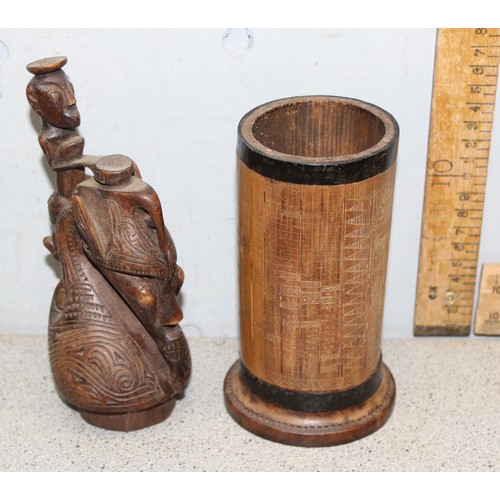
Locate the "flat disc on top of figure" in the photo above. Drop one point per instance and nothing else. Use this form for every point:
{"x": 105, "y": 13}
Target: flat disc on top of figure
{"x": 113, "y": 169}
{"x": 47, "y": 65}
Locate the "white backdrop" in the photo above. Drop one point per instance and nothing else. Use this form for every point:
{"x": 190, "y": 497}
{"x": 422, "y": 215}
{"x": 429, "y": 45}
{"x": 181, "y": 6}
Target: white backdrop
{"x": 172, "y": 100}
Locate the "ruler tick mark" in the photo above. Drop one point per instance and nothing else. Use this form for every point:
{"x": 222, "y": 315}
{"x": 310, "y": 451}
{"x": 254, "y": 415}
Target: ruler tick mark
{"x": 448, "y": 257}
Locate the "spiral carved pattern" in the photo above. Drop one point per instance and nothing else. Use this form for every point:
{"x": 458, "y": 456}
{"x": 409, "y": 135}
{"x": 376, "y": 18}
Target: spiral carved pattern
{"x": 97, "y": 363}
{"x": 97, "y": 366}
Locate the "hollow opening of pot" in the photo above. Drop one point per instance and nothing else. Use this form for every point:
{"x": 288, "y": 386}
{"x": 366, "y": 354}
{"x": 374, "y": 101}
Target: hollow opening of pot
{"x": 318, "y": 128}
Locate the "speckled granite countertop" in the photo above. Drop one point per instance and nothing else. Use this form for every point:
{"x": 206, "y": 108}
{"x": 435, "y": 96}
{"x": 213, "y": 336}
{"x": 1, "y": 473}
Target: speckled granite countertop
{"x": 447, "y": 418}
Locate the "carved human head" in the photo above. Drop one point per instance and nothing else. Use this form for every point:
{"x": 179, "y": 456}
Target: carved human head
{"x": 51, "y": 94}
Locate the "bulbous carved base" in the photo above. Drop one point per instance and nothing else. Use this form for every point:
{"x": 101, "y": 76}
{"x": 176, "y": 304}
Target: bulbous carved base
{"x": 311, "y": 429}
{"x": 130, "y": 421}
{"x": 104, "y": 362}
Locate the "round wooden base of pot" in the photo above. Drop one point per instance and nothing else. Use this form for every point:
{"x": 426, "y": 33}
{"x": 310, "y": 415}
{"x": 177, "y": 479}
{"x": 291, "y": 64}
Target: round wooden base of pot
{"x": 130, "y": 421}
{"x": 299, "y": 428}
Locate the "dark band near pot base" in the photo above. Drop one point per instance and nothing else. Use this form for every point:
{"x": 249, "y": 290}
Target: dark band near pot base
{"x": 311, "y": 401}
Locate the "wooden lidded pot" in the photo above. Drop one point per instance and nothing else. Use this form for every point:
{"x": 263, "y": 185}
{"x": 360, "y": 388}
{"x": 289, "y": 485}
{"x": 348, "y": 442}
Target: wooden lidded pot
{"x": 315, "y": 186}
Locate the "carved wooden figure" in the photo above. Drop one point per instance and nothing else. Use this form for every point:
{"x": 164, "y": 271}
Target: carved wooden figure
{"x": 117, "y": 353}
{"x": 316, "y": 178}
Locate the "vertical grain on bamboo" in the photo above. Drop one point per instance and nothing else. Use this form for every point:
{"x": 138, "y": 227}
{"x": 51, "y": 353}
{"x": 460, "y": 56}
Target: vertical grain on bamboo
{"x": 312, "y": 279}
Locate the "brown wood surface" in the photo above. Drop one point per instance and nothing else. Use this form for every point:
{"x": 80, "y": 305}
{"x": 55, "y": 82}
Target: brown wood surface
{"x": 316, "y": 179}
{"x": 310, "y": 429}
{"x": 465, "y": 78}
{"x": 117, "y": 353}
{"x": 130, "y": 421}
{"x": 312, "y": 271}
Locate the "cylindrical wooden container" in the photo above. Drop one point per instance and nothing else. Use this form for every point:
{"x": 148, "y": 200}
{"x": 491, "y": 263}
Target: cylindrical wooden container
{"x": 316, "y": 179}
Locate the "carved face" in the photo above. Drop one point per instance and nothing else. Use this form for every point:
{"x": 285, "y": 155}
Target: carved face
{"x": 125, "y": 237}
{"x": 155, "y": 298}
{"x": 52, "y": 96}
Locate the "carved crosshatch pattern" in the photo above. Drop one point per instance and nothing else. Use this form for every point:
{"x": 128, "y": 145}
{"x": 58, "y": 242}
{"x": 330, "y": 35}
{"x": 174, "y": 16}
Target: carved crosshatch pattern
{"x": 315, "y": 188}
{"x": 96, "y": 363}
{"x": 352, "y": 221}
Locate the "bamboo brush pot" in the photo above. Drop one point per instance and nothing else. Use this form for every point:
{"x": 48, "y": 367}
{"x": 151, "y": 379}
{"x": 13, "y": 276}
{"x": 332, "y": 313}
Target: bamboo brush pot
{"x": 315, "y": 182}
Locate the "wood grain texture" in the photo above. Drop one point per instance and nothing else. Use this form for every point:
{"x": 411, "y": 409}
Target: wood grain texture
{"x": 315, "y": 187}
{"x": 463, "y": 100}
{"x": 117, "y": 353}
{"x": 312, "y": 273}
{"x": 310, "y": 429}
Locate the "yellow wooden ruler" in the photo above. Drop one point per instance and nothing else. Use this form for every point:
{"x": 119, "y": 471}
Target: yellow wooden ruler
{"x": 465, "y": 80}
{"x": 488, "y": 303}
